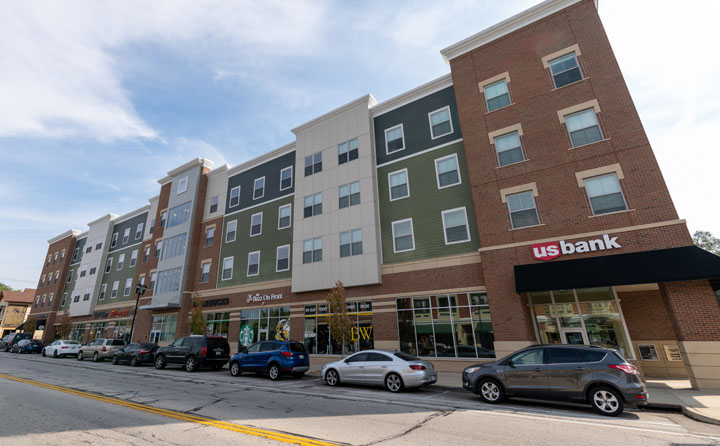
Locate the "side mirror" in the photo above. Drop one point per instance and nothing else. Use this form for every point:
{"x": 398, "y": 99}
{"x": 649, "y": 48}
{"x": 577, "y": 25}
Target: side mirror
{"x": 509, "y": 362}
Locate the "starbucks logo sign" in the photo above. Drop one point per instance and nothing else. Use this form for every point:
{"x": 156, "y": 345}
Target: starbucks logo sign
{"x": 246, "y": 335}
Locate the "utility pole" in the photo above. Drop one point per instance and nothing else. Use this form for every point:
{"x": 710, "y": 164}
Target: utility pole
{"x": 140, "y": 290}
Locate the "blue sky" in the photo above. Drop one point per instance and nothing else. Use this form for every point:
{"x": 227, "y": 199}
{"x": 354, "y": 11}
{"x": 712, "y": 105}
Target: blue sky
{"x": 98, "y": 100}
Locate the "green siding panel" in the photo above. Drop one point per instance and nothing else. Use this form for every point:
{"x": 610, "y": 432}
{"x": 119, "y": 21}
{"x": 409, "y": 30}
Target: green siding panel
{"x": 127, "y": 272}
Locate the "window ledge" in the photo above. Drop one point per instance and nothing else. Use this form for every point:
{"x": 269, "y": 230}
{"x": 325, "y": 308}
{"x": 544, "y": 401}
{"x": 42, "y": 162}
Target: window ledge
{"x": 612, "y": 213}
{"x": 498, "y": 109}
{"x": 567, "y": 85}
{"x": 513, "y": 164}
{"x": 589, "y": 144}
{"x": 526, "y": 227}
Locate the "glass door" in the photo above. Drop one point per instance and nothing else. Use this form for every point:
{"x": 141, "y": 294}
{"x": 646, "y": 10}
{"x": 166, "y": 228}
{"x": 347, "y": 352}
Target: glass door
{"x": 574, "y": 336}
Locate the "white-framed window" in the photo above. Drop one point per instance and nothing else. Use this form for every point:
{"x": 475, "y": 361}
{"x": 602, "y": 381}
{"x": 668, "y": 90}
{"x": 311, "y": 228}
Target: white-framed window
{"x": 231, "y": 231}
{"x": 256, "y": 224}
{"x": 174, "y": 246}
{"x": 126, "y": 236}
{"x": 70, "y": 276}
{"x": 103, "y": 291}
{"x": 42, "y": 304}
{"x": 565, "y": 70}
{"x": 182, "y": 185}
{"x": 93, "y": 269}
{"x": 351, "y": 243}
{"x": 83, "y": 271}
{"x": 497, "y": 95}
{"x": 88, "y": 249}
{"x": 64, "y": 299}
{"x": 115, "y": 287}
{"x": 348, "y": 151}
{"x": 88, "y": 292}
{"x": 509, "y": 149}
{"x": 152, "y": 226}
{"x": 48, "y": 260}
{"x": 133, "y": 258}
{"x": 447, "y": 171}
{"x": 55, "y": 256}
{"x": 313, "y": 164}
{"x": 285, "y": 216}
{"x": 286, "y": 178}
{"x": 98, "y": 244}
{"x": 163, "y": 218}
{"x": 146, "y": 256}
{"x": 312, "y": 205}
{"x": 75, "y": 254}
{"x": 210, "y": 236}
{"x": 394, "y": 139}
{"x": 227, "y": 271}
{"x": 398, "y": 184}
{"x": 312, "y": 250}
{"x": 605, "y": 194}
{"x": 113, "y": 242}
{"x": 158, "y": 248}
{"x": 57, "y": 276}
{"x": 50, "y": 298}
{"x": 121, "y": 262}
{"x": 283, "y": 258}
{"x": 179, "y": 214}
{"x": 523, "y": 211}
{"x": 42, "y": 281}
{"x": 455, "y": 226}
{"x": 214, "y": 200}
{"x": 259, "y": 188}
{"x": 128, "y": 286}
{"x": 349, "y": 194}
{"x": 403, "y": 236}
{"x": 76, "y": 298}
{"x": 62, "y": 255}
{"x": 253, "y": 268}
{"x": 583, "y": 127}
{"x": 108, "y": 264}
{"x": 142, "y": 279}
{"x": 153, "y": 280}
{"x": 234, "y": 196}
{"x": 205, "y": 272}
{"x": 440, "y": 122}
{"x": 139, "y": 230}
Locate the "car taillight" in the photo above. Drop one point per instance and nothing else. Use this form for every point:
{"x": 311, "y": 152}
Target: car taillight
{"x": 103, "y": 349}
{"x": 417, "y": 367}
{"x": 627, "y": 368}
{"x": 203, "y": 351}
{"x": 287, "y": 354}
{"x": 144, "y": 351}
{"x": 64, "y": 346}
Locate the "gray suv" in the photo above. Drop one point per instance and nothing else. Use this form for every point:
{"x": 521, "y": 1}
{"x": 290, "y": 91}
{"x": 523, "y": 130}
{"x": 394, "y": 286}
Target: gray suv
{"x": 599, "y": 376}
{"x": 100, "y": 349}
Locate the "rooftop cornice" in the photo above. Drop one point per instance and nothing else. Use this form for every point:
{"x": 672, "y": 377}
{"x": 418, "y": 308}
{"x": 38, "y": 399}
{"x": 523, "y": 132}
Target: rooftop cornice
{"x": 368, "y": 98}
{"x": 423, "y": 90}
{"x": 202, "y": 162}
{"x": 109, "y": 216}
{"x": 280, "y": 151}
{"x": 69, "y": 233}
{"x": 219, "y": 170}
{"x": 131, "y": 214}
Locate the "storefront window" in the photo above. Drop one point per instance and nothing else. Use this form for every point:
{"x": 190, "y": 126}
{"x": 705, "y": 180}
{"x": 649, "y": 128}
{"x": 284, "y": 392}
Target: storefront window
{"x": 264, "y": 324}
{"x": 97, "y": 330}
{"x": 317, "y": 330}
{"x": 78, "y": 332}
{"x": 163, "y": 328}
{"x": 122, "y": 330}
{"x": 218, "y": 324}
{"x": 447, "y": 325}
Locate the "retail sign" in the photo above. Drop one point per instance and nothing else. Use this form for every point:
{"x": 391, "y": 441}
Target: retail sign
{"x": 113, "y": 313}
{"x": 552, "y": 250}
{"x": 257, "y": 297}
{"x": 247, "y": 334}
{"x": 364, "y": 333}
{"x": 216, "y": 302}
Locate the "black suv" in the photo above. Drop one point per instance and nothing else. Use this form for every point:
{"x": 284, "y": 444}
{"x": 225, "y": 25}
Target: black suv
{"x": 8, "y": 341}
{"x": 194, "y": 351}
{"x": 596, "y": 375}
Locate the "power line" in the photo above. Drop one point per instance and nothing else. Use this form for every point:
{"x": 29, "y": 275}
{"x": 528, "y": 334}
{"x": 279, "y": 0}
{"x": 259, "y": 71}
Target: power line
{"x": 18, "y": 280}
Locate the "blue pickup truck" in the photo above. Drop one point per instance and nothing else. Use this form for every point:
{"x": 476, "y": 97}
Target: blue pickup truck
{"x": 275, "y": 358}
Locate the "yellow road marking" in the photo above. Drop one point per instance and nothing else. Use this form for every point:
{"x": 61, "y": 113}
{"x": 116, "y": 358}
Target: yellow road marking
{"x": 277, "y": 436}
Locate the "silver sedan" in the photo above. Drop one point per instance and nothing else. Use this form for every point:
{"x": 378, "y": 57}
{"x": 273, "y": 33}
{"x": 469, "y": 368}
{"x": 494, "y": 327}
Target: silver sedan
{"x": 394, "y": 370}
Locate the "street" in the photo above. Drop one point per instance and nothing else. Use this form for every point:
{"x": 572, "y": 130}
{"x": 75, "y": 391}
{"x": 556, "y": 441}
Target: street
{"x": 64, "y": 401}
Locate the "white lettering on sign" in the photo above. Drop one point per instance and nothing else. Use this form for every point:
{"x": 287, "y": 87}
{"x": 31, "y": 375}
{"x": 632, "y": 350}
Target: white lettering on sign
{"x": 257, "y": 297}
{"x": 551, "y": 250}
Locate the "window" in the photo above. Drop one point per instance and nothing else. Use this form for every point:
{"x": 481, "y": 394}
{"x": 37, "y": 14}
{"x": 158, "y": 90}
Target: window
{"x": 158, "y": 248}
{"x": 42, "y": 281}
{"x": 57, "y": 276}
{"x": 70, "y": 275}
{"x": 259, "y": 188}
{"x": 126, "y": 236}
{"x": 142, "y": 279}
{"x": 50, "y": 298}
{"x": 62, "y": 255}
{"x": 398, "y": 183}
{"x": 528, "y": 357}
{"x": 509, "y": 149}
{"x": 103, "y": 291}
{"x": 88, "y": 292}
{"x": 403, "y": 237}
{"x": 98, "y": 244}
{"x": 133, "y": 258}
{"x": 440, "y": 124}
{"x": 210, "y": 236}
{"x": 234, "y": 196}
{"x": 394, "y": 139}
{"x": 497, "y": 95}
{"x": 182, "y": 185}
{"x": 256, "y": 224}
{"x": 205, "y": 273}
{"x": 88, "y": 249}
{"x": 284, "y": 216}
{"x": 583, "y": 127}
{"x": 218, "y": 324}
{"x": 648, "y": 352}
{"x": 37, "y": 300}
{"x": 447, "y": 171}
{"x": 64, "y": 299}
{"x": 174, "y": 246}
{"x": 253, "y": 263}
{"x": 77, "y": 251}
{"x": 121, "y": 262}
{"x": 146, "y": 256}
{"x": 312, "y": 250}
{"x": 153, "y": 279}
{"x": 351, "y": 243}
{"x": 179, "y": 214}
{"x": 163, "y": 218}
{"x": 48, "y": 260}
{"x": 349, "y": 194}
{"x": 76, "y": 298}
{"x": 93, "y": 269}
{"x": 139, "y": 231}
{"x": 313, "y": 164}
{"x": 227, "y": 271}
{"x": 348, "y": 151}
{"x": 152, "y": 226}
{"x": 605, "y": 194}
{"x": 108, "y": 264}
{"x": 286, "y": 178}
{"x": 55, "y": 257}
{"x": 231, "y": 231}
{"x": 455, "y": 226}
{"x": 163, "y": 328}
{"x": 565, "y": 70}
{"x": 283, "y": 258}
{"x": 168, "y": 281}
{"x": 83, "y": 271}
{"x": 42, "y": 304}
{"x": 128, "y": 287}
{"x": 313, "y": 205}
{"x": 522, "y": 210}
{"x": 275, "y": 322}
{"x": 214, "y": 203}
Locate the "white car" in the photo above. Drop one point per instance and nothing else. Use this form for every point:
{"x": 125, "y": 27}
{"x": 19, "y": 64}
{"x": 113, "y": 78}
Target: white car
{"x": 394, "y": 370}
{"x": 62, "y": 348}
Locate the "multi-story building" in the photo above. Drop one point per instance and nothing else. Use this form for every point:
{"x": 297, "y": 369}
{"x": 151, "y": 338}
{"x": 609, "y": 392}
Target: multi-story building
{"x": 443, "y": 212}
{"x": 14, "y": 309}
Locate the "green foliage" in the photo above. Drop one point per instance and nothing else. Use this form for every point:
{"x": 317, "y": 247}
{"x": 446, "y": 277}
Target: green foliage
{"x": 30, "y": 325}
{"x": 4, "y": 287}
{"x": 64, "y": 329}
{"x": 197, "y": 320}
{"x": 706, "y": 241}
{"x": 340, "y": 323}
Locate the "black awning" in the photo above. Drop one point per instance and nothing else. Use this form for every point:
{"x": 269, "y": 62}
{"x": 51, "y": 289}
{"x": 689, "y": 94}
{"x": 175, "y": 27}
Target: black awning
{"x": 662, "y": 265}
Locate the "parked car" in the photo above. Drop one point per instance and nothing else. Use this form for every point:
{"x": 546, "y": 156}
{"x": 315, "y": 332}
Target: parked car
{"x": 27, "y": 346}
{"x": 194, "y": 351}
{"x": 394, "y": 370}
{"x": 62, "y": 348}
{"x": 136, "y": 354}
{"x": 8, "y": 341}
{"x": 595, "y": 375}
{"x": 100, "y": 348}
{"x": 274, "y": 357}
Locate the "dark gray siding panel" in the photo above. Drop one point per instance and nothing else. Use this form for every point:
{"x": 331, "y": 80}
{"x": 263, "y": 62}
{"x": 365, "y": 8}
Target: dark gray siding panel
{"x": 132, "y": 224}
{"x": 416, "y": 125}
{"x": 246, "y": 180}
{"x": 80, "y": 246}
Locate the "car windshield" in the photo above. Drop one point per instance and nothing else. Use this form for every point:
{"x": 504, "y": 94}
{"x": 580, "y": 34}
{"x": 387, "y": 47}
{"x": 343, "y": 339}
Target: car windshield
{"x": 406, "y": 356}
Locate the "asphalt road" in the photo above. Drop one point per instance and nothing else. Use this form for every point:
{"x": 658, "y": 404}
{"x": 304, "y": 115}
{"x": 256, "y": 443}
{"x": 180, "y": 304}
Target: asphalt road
{"x": 98, "y": 403}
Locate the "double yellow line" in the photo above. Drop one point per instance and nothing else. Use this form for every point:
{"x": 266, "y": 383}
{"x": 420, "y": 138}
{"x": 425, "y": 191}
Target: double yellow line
{"x": 285, "y": 438}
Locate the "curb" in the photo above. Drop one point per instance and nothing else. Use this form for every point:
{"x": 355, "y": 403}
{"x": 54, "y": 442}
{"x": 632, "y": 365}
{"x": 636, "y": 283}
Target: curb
{"x": 693, "y": 413}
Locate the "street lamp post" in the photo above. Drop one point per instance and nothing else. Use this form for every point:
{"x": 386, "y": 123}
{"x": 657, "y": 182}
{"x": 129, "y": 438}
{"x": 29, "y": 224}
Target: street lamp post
{"x": 140, "y": 290}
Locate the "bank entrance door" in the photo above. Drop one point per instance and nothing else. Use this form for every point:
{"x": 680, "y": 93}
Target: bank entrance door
{"x": 155, "y": 336}
{"x": 574, "y": 336}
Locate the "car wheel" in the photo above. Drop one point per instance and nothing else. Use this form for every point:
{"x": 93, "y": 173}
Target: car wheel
{"x": 490, "y": 391}
{"x": 160, "y": 362}
{"x": 393, "y": 382}
{"x": 190, "y": 364}
{"x": 274, "y": 372}
{"x": 133, "y": 361}
{"x": 298, "y": 375}
{"x": 235, "y": 369}
{"x": 332, "y": 378}
{"x": 55, "y": 355}
{"x": 114, "y": 360}
{"x": 96, "y": 357}
{"x": 80, "y": 356}
{"x": 606, "y": 401}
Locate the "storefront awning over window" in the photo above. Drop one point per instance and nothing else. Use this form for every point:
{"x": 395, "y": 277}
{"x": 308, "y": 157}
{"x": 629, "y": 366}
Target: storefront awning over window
{"x": 662, "y": 265}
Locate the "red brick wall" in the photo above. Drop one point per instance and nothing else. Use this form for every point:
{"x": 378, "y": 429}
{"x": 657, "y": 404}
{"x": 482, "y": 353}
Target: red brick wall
{"x": 646, "y": 316}
{"x": 206, "y": 252}
{"x": 693, "y": 310}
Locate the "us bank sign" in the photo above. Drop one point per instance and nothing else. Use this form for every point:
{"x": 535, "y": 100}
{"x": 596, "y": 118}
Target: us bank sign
{"x": 257, "y": 297}
{"x": 551, "y": 250}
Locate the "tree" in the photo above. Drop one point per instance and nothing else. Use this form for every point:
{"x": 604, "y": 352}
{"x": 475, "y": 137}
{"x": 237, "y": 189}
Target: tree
{"x": 197, "y": 320}
{"x": 30, "y": 325}
{"x": 4, "y": 287}
{"x": 341, "y": 324}
{"x": 706, "y": 241}
{"x": 64, "y": 328}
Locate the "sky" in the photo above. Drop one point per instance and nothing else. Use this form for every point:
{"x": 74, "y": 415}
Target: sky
{"x": 98, "y": 100}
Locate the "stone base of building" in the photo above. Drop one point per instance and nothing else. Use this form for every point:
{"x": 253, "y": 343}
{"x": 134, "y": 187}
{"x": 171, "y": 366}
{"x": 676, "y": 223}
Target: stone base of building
{"x": 702, "y": 362}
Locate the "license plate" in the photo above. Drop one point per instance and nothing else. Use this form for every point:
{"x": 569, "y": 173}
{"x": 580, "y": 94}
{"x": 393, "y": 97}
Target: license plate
{"x": 302, "y": 356}
{"x": 433, "y": 378}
